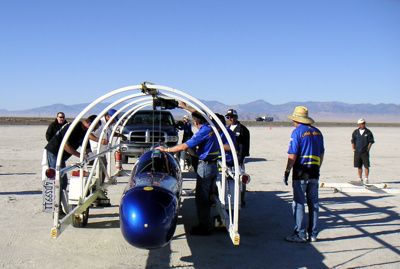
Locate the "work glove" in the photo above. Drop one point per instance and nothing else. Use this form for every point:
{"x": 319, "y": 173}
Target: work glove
{"x": 286, "y": 177}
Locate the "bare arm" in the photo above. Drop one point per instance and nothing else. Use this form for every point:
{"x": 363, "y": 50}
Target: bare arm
{"x": 186, "y": 107}
{"x": 174, "y": 149}
{"x": 369, "y": 147}
{"x": 227, "y": 147}
{"x": 290, "y": 163}
{"x": 96, "y": 139}
{"x": 68, "y": 148}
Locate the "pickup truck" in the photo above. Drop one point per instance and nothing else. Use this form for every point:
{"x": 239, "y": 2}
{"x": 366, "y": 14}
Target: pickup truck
{"x": 143, "y": 129}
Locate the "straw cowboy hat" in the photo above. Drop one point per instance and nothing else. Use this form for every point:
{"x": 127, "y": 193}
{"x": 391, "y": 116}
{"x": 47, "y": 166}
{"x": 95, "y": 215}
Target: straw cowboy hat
{"x": 300, "y": 115}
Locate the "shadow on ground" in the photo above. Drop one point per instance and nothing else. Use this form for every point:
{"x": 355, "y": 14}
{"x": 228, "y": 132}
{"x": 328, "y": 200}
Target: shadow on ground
{"x": 264, "y": 223}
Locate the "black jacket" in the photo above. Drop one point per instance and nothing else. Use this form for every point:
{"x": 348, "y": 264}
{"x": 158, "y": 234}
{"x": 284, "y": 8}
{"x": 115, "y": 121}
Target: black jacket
{"x": 242, "y": 135}
{"x": 53, "y": 128}
{"x": 361, "y": 142}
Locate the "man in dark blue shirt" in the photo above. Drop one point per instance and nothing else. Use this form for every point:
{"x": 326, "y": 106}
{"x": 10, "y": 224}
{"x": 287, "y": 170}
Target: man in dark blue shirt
{"x": 306, "y": 153}
{"x": 361, "y": 141}
{"x": 207, "y": 148}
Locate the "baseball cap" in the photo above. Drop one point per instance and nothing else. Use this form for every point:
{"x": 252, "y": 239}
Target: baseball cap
{"x": 231, "y": 112}
{"x": 112, "y": 112}
{"x": 360, "y": 121}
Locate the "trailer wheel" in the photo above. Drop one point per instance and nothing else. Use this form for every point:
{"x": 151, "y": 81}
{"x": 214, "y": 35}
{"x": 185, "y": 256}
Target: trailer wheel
{"x": 80, "y": 222}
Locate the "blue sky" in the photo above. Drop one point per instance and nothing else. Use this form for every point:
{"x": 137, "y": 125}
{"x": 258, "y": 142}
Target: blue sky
{"x": 234, "y": 52}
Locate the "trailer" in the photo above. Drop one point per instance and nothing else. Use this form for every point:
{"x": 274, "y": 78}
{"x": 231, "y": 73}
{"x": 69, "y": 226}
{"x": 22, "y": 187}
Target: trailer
{"x": 92, "y": 177}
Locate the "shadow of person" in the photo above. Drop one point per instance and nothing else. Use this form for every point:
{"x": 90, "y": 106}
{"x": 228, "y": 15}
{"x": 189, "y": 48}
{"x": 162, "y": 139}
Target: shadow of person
{"x": 263, "y": 225}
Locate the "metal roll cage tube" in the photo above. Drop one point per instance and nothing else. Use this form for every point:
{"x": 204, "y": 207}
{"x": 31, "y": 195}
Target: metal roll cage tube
{"x": 146, "y": 90}
{"x": 103, "y": 112}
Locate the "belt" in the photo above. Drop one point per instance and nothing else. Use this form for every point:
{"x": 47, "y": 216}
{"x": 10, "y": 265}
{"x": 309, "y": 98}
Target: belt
{"x": 208, "y": 161}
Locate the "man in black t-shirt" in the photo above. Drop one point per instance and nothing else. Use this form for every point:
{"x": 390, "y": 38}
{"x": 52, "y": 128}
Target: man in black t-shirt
{"x": 74, "y": 142}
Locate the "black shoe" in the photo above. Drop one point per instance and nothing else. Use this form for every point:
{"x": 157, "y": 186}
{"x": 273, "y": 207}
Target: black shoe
{"x": 197, "y": 230}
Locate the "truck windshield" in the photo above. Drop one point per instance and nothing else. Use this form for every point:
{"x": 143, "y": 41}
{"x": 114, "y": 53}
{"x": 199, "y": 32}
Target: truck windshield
{"x": 147, "y": 118}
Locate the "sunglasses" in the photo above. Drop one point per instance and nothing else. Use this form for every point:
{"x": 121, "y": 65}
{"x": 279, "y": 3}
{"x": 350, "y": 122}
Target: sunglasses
{"x": 229, "y": 117}
{"x": 61, "y": 117}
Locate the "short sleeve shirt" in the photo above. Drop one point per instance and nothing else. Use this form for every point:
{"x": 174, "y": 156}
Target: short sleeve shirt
{"x": 205, "y": 142}
{"x": 93, "y": 144}
{"x": 229, "y": 156}
{"x": 307, "y": 143}
{"x": 75, "y": 140}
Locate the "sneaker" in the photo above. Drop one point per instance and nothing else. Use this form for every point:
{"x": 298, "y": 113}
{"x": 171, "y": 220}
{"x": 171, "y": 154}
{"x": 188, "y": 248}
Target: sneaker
{"x": 295, "y": 238}
{"x": 197, "y": 230}
{"x": 312, "y": 238}
{"x": 366, "y": 181}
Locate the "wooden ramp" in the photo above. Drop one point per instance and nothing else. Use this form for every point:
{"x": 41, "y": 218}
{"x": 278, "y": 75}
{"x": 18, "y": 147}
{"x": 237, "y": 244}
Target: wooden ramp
{"x": 358, "y": 186}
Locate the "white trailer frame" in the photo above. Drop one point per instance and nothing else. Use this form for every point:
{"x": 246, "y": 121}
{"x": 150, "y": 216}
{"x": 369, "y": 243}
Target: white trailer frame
{"x": 227, "y": 209}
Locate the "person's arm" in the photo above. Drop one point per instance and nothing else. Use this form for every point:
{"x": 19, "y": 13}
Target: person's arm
{"x": 290, "y": 162}
{"x": 321, "y": 159}
{"x": 244, "y": 146}
{"x": 186, "y": 107}
{"x": 96, "y": 139}
{"x": 173, "y": 149}
{"x": 68, "y": 148}
{"x": 49, "y": 132}
{"x": 370, "y": 140}
{"x": 369, "y": 147}
{"x": 353, "y": 141}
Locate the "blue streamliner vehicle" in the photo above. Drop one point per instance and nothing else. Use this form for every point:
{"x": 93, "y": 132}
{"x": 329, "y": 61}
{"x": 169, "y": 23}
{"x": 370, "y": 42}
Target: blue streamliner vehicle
{"x": 150, "y": 203}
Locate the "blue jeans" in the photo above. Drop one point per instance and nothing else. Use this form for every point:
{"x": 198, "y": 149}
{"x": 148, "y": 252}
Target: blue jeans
{"x": 206, "y": 175}
{"x": 305, "y": 191}
{"x": 52, "y": 161}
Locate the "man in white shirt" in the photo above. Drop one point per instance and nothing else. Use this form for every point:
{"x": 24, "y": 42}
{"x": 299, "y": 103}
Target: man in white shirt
{"x": 107, "y": 134}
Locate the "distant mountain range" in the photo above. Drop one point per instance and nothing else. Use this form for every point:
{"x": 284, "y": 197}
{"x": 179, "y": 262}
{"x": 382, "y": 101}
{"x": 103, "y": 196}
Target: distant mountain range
{"x": 319, "y": 111}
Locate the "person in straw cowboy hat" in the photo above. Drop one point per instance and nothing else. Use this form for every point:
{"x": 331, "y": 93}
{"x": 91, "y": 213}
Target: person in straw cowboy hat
{"x": 306, "y": 153}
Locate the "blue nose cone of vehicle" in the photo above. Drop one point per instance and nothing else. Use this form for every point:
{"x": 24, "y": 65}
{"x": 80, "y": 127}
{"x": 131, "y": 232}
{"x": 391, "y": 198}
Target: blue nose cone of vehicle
{"x": 148, "y": 216}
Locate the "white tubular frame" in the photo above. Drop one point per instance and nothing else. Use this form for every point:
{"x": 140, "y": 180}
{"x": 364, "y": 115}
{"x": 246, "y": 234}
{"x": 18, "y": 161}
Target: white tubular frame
{"x": 141, "y": 100}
